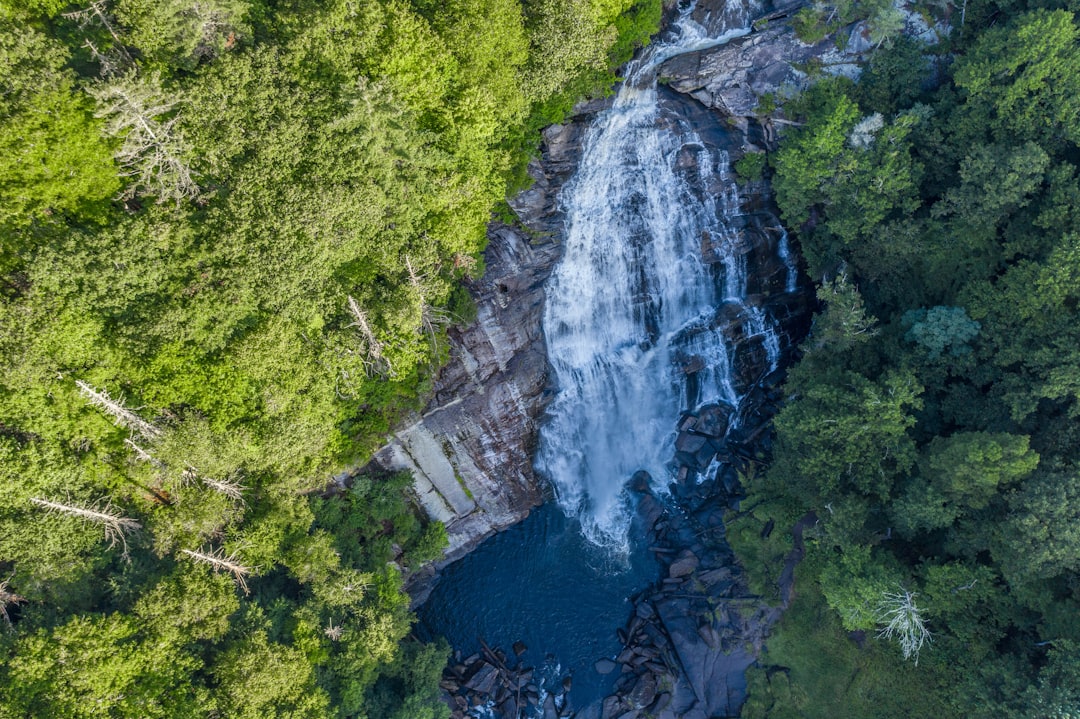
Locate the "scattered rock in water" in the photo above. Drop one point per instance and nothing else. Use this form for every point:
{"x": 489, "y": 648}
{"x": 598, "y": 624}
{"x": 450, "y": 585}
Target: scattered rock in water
{"x": 689, "y": 443}
{"x": 684, "y": 565}
{"x": 644, "y": 691}
{"x": 712, "y": 420}
{"x": 605, "y": 666}
{"x": 487, "y": 680}
{"x": 549, "y": 708}
{"x": 484, "y": 680}
{"x": 640, "y": 481}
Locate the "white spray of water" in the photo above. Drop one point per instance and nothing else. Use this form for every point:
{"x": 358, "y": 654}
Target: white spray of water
{"x": 633, "y": 297}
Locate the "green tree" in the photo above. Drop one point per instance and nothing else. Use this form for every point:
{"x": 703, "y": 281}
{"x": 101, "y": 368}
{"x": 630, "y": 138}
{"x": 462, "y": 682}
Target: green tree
{"x": 1039, "y": 537}
{"x": 52, "y": 157}
{"x": 93, "y": 663}
{"x": 1021, "y": 78}
{"x": 971, "y": 468}
{"x": 257, "y": 677}
{"x": 940, "y": 329}
{"x": 846, "y": 432}
{"x": 854, "y": 580}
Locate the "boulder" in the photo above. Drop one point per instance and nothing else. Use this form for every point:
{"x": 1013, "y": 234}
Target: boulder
{"x": 605, "y": 666}
{"x": 509, "y": 707}
{"x": 685, "y": 565}
{"x": 640, "y": 481}
{"x": 689, "y": 443}
{"x": 611, "y": 707}
{"x": 644, "y": 610}
{"x": 483, "y": 681}
{"x": 660, "y": 704}
{"x": 549, "y": 708}
{"x": 644, "y": 691}
{"x": 713, "y": 420}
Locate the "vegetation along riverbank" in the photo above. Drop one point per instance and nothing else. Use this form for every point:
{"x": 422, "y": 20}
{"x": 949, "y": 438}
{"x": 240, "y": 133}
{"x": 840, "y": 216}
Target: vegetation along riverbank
{"x": 233, "y": 237}
{"x": 931, "y": 424}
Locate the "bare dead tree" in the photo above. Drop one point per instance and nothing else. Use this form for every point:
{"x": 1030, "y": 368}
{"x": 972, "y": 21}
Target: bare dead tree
{"x": 334, "y": 633}
{"x": 222, "y": 561}
{"x": 9, "y": 598}
{"x": 371, "y": 348}
{"x": 230, "y": 486}
{"x": 432, "y": 318}
{"x": 902, "y": 622}
{"x": 142, "y": 454}
{"x": 97, "y": 14}
{"x": 152, "y": 152}
{"x": 102, "y": 512}
{"x": 115, "y": 407}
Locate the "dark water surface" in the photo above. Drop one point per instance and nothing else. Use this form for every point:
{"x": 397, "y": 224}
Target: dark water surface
{"x": 543, "y": 583}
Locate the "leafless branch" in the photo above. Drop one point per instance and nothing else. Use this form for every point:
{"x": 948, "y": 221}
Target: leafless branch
{"x": 115, "y": 407}
{"x": 102, "y": 512}
{"x": 221, "y": 561}
{"x": 229, "y": 486}
{"x": 371, "y": 348}
{"x": 142, "y": 454}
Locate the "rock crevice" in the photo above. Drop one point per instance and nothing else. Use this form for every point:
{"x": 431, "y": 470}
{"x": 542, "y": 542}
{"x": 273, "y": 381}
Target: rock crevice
{"x": 471, "y": 448}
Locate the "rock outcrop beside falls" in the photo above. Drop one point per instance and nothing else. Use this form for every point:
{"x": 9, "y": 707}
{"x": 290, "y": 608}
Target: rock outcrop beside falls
{"x": 471, "y": 448}
{"x": 732, "y": 78}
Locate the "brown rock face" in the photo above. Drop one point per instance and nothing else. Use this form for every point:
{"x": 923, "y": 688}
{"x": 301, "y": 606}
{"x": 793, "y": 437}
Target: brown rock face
{"x": 470, "y": 450}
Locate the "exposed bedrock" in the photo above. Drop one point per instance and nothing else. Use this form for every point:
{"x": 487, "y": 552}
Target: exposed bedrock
{"x": 770, "y": 60}
{"x": 471, "y": 448}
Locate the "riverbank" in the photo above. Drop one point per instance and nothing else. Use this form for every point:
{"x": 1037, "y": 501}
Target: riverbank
{"x": 735, "y": 352}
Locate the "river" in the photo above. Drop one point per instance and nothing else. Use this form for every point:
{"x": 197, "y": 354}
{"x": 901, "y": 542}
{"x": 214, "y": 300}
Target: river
{"x": 660, "y": 306}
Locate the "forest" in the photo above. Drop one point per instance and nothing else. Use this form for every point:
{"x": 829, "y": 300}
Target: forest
{"x": 929, "y": 437}
{"x": 234, "y": 233}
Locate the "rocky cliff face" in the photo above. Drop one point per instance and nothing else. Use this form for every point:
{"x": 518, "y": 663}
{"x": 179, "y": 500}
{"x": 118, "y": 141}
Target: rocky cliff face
{"x": 732, "y": 78}
{"x": 471, "y": 448}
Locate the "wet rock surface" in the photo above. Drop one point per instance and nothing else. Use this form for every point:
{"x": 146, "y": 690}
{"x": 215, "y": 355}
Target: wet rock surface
{"x": 691, "y": 635}
{"x": 491, "y": 683}
{"x": 732, "y": 78}
{"x": 470, "y": 449}
{"x": 687, "y": 639}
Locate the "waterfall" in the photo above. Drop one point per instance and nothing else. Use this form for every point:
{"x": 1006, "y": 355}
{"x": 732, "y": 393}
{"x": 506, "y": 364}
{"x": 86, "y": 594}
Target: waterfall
{"x": 653, "y": 261}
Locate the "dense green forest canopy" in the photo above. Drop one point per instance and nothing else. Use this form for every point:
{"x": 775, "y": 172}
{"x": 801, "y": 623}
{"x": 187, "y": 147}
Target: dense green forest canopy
{"x": 932, "y": 425}
{"x": 233, "y": 234}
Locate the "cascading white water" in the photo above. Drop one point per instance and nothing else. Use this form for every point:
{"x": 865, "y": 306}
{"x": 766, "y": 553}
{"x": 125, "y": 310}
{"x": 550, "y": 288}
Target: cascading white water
{"x": 633, "y": 298}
